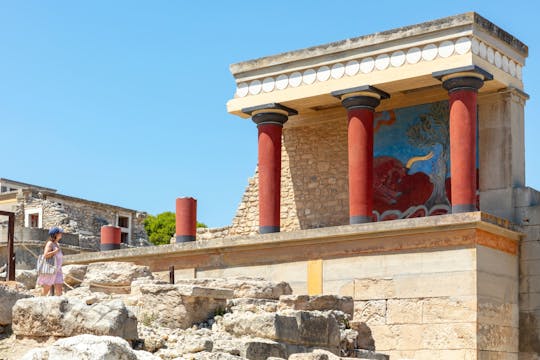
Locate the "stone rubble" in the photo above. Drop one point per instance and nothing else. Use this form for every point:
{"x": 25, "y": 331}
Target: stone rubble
{"x": 236, "y": 318}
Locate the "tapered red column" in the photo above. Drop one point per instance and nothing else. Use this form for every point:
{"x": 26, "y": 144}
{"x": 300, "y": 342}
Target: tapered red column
{"x": 462, "y": 89}
{"x": 186, "y": 219}
{"x": 269, "y": 119}
{"x": 111, "y": 237}
{"x": 360, "y": 103}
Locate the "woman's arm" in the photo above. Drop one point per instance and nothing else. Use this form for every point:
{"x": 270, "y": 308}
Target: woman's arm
{"x": 49, "y": 252}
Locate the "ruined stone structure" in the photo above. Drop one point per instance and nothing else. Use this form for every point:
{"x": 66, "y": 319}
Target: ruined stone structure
{"x": 38, "y": 208}
{"x": 422, "y": 125}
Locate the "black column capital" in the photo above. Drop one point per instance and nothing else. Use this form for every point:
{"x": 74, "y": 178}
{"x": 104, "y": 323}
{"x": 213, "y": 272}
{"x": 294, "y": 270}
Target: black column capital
{"x": 361, "y": 97}
{"x": 469, "y": 77}
{"x": 272, "y": 113}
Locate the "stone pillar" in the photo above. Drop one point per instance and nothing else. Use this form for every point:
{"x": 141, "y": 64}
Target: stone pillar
{"x": 186, "y": 219}
{"x": 462, "y": 85}
{"x": 269, "y": 119}
{"x": 360, "y": 103}
{"x": 110, "y": 237}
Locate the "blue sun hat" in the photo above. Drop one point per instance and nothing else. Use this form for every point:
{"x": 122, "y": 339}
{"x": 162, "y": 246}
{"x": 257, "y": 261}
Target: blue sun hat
{"x": 55, "y": 230}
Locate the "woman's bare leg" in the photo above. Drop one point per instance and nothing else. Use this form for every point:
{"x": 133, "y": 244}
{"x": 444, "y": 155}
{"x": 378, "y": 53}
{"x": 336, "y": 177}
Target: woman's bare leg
{"x": 46, "y": 290}
{"x": 58, "y": 289}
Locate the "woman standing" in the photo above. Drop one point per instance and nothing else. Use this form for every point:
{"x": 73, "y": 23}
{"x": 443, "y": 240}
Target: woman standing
{"x": 53, "y": 249}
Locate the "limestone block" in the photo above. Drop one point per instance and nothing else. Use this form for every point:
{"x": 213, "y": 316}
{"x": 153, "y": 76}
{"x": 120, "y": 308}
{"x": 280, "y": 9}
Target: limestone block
{"x": 528, "y": 215}
{"x": 258, "y": 288}
{"x": 251, "y": 348}
{"x": 253, "y": 305}
{"x": 492, "y": 313}
{"x": 26, "y": 277}
{"x": 315, "y": 355}
{"x": 10, "y": 293}
{"x": 449, "y": 309}
{"x": 74, "y": 274}
{"x": 89, "y": 347}
{"x": 499, "y": 288}
{"x": 462, "y": 354}
{"x": 404, "y": 311}
{"x": 491, "y": 355}
{"x": 294, "y": 327}
{"x": 498, "y": 338}
{"x": 176, "y": 306}
{"x": 371, "y": 312}
{"x": 64, "y": 317}
{"x": 449, "y": 336}
{"x": 457, "y": 283}
{"x": 496, "y": 262}
{"x": 317, "y": 302}
{"x": 530, "y": 249}
{"x": 113, "y": 277}
{"x": 526, "y": 196}
{"x": 374, "y": 288}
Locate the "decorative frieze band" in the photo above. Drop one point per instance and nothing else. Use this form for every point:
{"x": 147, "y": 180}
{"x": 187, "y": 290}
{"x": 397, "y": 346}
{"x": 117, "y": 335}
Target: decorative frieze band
{"x": 381, "y": 62}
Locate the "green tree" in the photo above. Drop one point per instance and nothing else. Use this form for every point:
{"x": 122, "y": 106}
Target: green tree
{"x": 161, "y": 228}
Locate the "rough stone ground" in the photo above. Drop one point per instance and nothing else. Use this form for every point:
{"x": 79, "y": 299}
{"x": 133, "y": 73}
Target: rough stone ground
{"x": 14, "y": 349}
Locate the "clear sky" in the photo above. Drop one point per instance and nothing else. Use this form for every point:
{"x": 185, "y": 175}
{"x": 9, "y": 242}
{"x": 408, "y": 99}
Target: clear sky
{"x": 123, "y": 102}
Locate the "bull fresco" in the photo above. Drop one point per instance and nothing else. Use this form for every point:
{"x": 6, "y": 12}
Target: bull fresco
{"x": 412, "y": 162}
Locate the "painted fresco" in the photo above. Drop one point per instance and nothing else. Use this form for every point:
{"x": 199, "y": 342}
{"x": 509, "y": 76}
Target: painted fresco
{"x": 411, "y": 162}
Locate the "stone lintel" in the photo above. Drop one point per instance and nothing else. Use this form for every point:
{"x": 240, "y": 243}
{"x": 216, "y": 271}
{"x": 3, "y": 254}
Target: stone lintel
{"x": 470, "y": 19}
{"x": 418, "y": 234}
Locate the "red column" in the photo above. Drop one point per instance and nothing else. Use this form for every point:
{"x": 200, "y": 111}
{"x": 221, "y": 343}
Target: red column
{"x": 186, "y": 219}
{"x": 110, "y": 237}
{"x": 360, "y": 103}
{"x": 462, "y": 89}
{"x": 269, "y": 177}
{"x": 269, "y": 119}
{"x": 360, "y": 145}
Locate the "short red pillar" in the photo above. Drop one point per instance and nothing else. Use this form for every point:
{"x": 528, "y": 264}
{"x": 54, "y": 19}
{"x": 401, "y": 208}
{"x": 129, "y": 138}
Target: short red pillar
{"x": 360, "y": 103}
{"x": 269, "y": 119}
{"x": 462, "y": 88}
{"x": 186, "y": 219}
{"x": 110, "y": 237}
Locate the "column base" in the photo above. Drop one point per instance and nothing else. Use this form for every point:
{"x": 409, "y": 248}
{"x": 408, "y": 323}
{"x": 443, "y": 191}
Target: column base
{"x": 463, "y": 208}
{"x": 106, "y": 247}
{"x": 184, "y": 238}
{"x": 268, "y": 229}
{"x": 359, "y": 219}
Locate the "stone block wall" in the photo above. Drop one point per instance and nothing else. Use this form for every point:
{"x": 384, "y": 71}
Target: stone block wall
{"x": 78, "y": 216}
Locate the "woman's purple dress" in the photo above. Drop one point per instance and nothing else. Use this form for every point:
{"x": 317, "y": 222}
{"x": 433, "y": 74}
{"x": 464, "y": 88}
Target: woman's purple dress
{"x": 56, "y": 278}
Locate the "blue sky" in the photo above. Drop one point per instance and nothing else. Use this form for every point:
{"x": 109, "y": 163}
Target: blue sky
{"x": 123, "y": 102}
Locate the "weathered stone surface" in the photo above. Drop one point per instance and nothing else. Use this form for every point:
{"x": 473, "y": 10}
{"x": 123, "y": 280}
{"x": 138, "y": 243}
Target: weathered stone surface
{"x": 88, "y": 296}
{"x": 114, "y": 277}
{"x": 10, "y": 292}
{"x": 252, "y": 305}
{"x": 319, "y": 302}
{"x": 365, "y": 337}
{"x": 296, "y": 327}
{"x": 26, "y": 277}
{"x": 367, "y": 354}
{"x": 251, "y": 348}
{"x": 65, "y": 317}
{"x": 404, "y": 311}
{"x": 89, "y": 347}
{"x": 315, "y": 355}
{"x": 372, "y": 312}
{"x": 244, "y": 287}
{"x": 74, "y": 274}
{"x": 169, "y": 306}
